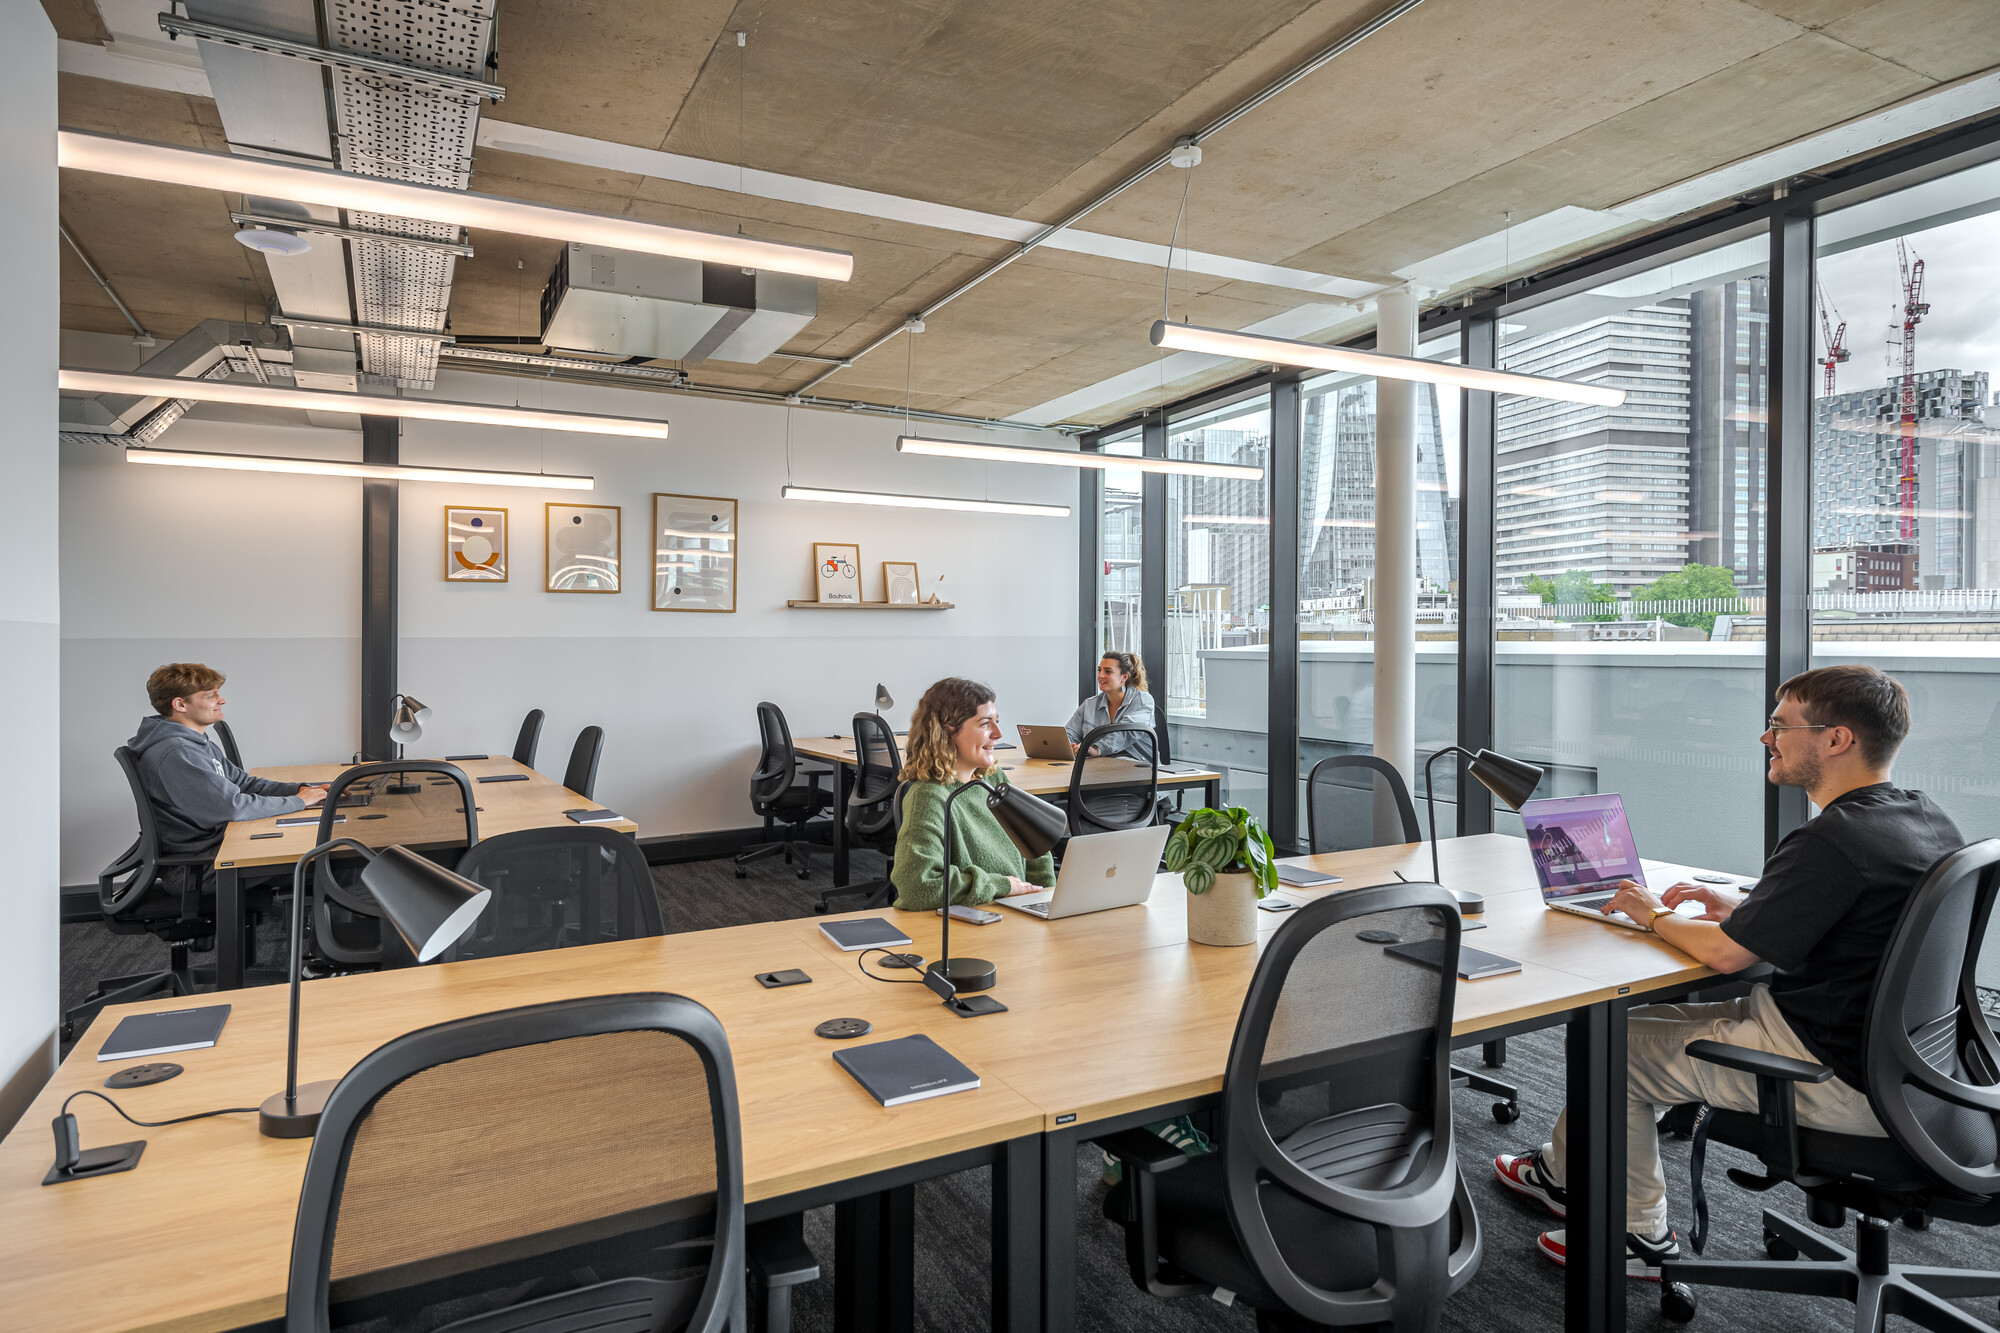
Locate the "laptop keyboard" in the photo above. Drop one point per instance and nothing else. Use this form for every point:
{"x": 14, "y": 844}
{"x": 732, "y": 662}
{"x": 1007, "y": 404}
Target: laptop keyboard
{"x": 1039, "y": 909}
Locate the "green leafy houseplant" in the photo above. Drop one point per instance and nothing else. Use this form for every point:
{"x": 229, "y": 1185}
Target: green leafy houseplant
{"x": 1211, "y": 842}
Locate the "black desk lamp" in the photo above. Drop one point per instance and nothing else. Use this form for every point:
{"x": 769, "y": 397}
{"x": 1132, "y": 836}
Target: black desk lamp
{"x": 407, "y": 725}
{"x": 1034, "y": 826}
{"x": 1512, "y": 780}
{"x": 882, "y": 699}
{"x": 429, "y": 906}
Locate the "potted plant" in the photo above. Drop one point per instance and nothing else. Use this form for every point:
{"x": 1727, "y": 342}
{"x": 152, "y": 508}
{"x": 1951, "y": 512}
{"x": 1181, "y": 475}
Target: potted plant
{"x": 1226, "y": 860}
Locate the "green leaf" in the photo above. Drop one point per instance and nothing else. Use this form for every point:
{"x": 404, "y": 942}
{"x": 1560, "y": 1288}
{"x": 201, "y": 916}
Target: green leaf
{"x": 1217, "y": 853}
{"x": 1198, "y": 877}
{"x": 1177, "y": 849}
{"x": 1267, "y": 879}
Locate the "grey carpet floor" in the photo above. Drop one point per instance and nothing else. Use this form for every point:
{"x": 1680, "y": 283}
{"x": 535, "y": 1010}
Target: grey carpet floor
{"x": 1515, "y": 1288}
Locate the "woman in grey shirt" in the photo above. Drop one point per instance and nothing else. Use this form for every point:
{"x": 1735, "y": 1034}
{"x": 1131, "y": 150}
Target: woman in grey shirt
{"x": 1121, "y": 698}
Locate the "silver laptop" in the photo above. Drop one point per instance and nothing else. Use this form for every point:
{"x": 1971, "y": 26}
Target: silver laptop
{"x": 1100, "y": 871}
{"x": 1582, "y": 847}
{"x": 1044, "y": 742}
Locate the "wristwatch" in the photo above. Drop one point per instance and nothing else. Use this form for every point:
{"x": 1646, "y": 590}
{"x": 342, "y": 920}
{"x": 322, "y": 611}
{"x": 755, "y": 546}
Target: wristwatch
{"x": 1658, "y": 912}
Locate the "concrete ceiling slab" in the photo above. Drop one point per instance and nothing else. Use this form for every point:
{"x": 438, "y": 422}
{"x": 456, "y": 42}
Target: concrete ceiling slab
{"x": 1944, "y": 39}
{"x": 77, "y": 20}
{"x": 105, "y": 107}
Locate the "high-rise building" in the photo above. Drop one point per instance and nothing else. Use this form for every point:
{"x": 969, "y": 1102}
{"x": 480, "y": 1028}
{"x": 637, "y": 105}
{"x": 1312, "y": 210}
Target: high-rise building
{"x": 1729, "y": 360}
{"x": 1858, "y": 466}
{"x": 1337, "y": 490}
{"x": 1218, "y": 527}
{"x": 1601, "y": 489}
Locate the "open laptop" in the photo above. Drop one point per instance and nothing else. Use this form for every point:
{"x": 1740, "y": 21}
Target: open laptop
{"x": 1582, "y": 847}
{"x": 1044, "y": 742}
{"x": 1099, "y": 871}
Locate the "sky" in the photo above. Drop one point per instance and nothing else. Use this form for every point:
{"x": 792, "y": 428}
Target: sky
{"x": 1961, "y": 281}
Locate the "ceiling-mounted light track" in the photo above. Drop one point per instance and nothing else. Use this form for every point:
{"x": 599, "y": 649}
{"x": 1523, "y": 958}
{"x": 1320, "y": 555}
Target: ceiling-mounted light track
{"x": 923, "y": 502}
{"x": 320, "y": 467}
{"x": 315, "y": 227}
{"x": 338, "y": 189}
{"x": 1285, "y": 352}
{"x": 369, "y": 405}
{"x": 1007, "y": 453}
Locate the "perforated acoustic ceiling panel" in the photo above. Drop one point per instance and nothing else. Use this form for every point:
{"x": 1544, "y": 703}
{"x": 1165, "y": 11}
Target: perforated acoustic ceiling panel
{"x": 387, "y": 128}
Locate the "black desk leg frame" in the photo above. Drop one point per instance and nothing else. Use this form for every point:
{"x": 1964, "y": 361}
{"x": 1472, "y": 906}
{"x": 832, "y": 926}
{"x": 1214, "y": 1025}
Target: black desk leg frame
{"x": 1594, "y": 1300}
{"x": 843, "y": 784}
{"x": 230, "y": 960}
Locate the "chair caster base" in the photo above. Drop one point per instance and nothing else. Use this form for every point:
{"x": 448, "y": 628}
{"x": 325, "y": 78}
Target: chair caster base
{"x": 1676, "y": 1302}
{"x": 1505, "y": 1113}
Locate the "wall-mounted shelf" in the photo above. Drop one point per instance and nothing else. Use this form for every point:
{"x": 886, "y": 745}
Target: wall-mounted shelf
{"x": 869, "y": 606}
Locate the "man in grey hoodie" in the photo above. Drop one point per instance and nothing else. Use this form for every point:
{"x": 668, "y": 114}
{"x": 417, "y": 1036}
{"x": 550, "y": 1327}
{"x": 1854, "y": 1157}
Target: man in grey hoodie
{"x": 195, "y": 791}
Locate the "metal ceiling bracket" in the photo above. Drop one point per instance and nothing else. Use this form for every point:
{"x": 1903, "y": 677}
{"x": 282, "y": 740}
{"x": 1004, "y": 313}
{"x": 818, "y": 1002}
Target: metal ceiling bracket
{"x": 442, "y": 82}
{"x": 349, "y": 233}
{"x": 331, "y": 327}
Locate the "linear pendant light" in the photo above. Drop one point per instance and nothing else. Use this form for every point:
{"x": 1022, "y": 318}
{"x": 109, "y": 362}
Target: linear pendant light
{"x": 364, "y": 404}
{"x": 339, "y": 189}
{"x": 320, "y": 467}
{"x": 923, "y": 502}
{"x": 1286, "y": 352}
{"x": 1007, "y": 453}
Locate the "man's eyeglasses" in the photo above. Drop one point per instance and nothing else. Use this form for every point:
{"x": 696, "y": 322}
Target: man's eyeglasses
{"x": 1772, "y": 724}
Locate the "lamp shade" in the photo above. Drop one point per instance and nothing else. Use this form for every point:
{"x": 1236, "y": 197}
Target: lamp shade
{"x": 411, "y": 714}
{"x": 1032, "y": 823}
{"x": 882, "y": 699}
{"x": 1512, "y": 780}
{"x": 429, "y": 906}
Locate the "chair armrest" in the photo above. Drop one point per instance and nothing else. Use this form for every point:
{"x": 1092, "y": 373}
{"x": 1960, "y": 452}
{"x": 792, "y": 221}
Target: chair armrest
{"x": 199, "y": 859}
{"x": 1141, "y": 1149}
{"x": 1761, "y": 1063}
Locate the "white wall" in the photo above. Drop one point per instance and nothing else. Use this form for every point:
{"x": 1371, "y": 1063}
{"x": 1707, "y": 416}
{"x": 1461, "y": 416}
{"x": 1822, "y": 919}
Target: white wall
{"x": 259, "y": 576}
{"x": 28, "y": 598}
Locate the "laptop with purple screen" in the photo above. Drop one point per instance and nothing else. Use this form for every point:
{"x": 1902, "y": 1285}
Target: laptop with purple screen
{"x": 1582, "y": 847}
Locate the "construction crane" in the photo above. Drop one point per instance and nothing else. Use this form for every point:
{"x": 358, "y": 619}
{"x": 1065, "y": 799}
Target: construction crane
{"x": 1836, "y": 340}
{"x": 1914, "y": 309}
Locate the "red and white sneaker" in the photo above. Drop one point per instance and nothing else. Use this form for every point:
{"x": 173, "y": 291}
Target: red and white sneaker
{"x": 1523, "y": 1173}
{"x": 1643, "y": 1254}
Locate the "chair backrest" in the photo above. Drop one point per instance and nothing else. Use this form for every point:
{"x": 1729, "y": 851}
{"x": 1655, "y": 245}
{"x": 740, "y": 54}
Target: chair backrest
{"x": 581, "y": 775}
{"x": 1340, "y": 803}
{"x": 529, "y": 740}
{"x": 125, "y": 881}
{"x": 336, "y": 934}
{"x": 870, "y": 806}
{"x": 777, "y": 762}
{"x": 497, "y": 1139}
{"x": 228, "y": 739}
{"x": 557, "y": 887}
{"x": 1336, "y": 1096}
{"x": 1933, "y": 1066}
{"x": 1100, "y": 806}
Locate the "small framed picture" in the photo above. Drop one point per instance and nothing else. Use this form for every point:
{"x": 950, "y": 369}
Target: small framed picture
{"x": 837, "y": 571}
{"x": 583, "y": 548}
{"x": 694, "y": 553}
{"x": 475, "y": 545}
{"x": 899, "y": 582}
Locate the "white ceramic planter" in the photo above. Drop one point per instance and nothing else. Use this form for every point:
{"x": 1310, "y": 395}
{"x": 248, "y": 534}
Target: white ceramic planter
{"x": 1226, "y": 914}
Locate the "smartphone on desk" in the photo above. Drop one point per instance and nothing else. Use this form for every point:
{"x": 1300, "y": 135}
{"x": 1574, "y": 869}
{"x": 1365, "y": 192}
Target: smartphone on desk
{"x": 971, "y": 915}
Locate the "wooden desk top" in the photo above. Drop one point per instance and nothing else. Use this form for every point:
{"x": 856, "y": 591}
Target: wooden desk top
{"x": 430, "y": 818}
{"x": 1110, "y": 1013}
{"x": 1037, "y": 777}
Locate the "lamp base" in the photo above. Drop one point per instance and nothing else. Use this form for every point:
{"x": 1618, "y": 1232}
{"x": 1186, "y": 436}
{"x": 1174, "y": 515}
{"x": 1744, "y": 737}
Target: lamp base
{"x": 403, "y": 789}
{"x": 966, "y": 974}
{"x": 301, "y": 1120}
{"x": 1469, "y": 903}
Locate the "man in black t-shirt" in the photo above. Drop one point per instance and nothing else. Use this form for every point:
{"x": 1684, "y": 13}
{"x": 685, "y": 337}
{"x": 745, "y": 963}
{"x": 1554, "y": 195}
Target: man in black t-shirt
{"x": 1822, "y": 915}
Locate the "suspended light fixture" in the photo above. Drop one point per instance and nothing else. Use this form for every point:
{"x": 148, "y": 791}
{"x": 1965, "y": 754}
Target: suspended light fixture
{"x": 368, "y": 405}
{"x": 1007, "y": 453}
{"x": 923, "y": 502}
{"x": 1286, "y": 352}
{"x": 320, "y": 467}
{"x": 339, "y": 189}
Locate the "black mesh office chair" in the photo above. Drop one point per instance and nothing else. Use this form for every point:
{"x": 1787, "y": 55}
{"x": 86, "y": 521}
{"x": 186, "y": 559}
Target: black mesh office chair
{"x": 557, "y": 887}
{"x": 346, "y": 927}
{"x": 1933, "y": 1071}
{"x": 581, "y": 775}
{"x": 873, "y": 811}
{"x": 1332, "y": 1196}
{"x": 147, "y": 892}
{"x": 1100, "y": 804}
{"x": 775, "y": 795}
{"x": 227, "y": 739}
{"x": 1340, "y": 817}
{"x": 591, "y": 1146}
{"x": 529, "y": 740}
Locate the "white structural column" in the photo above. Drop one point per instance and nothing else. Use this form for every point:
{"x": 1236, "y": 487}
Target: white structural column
{"x": 1395, "y": 555}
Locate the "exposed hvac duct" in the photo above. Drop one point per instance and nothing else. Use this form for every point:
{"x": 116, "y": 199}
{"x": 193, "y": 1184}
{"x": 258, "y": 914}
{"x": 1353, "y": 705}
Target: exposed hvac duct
{"x": 212, "y": 349}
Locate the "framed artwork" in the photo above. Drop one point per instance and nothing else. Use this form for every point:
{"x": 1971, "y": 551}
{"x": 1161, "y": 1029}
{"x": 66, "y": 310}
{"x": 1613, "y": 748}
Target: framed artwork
{"x": 837, "y": 571}
{"x": 475, "y": 545}
{"x": 583, "y": 547}
{"x": 899, "y": 582}
{"x": 694, "y": 553}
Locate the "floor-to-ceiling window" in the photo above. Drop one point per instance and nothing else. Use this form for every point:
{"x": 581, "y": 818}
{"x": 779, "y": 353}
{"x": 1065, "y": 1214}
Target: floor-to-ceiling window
{"x": 1213, "y": 683}
{"x": 1630, "y": 555}
{"x": 1120, "y": 526}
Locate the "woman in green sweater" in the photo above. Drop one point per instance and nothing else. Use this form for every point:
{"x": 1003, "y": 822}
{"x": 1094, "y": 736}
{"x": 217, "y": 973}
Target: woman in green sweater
{"x": 952, "y": 734}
